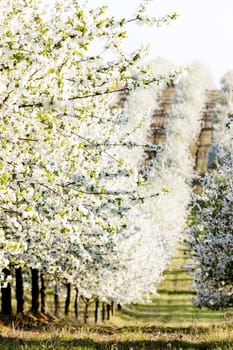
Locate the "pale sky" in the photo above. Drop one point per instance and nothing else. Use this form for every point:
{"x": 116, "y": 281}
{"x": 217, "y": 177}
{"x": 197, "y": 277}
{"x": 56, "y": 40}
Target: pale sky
{"x": 203, "y": 32}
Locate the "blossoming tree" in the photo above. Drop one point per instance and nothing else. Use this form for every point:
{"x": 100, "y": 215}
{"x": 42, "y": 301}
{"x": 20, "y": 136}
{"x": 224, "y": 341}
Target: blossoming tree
{"x": 65, "y": 186}
{"x": 210, "y": 236}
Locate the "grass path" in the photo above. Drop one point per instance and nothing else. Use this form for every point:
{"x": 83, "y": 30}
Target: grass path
{"x": 173, "y": 307}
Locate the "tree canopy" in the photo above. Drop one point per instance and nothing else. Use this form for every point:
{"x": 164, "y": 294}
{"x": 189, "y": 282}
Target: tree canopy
{"x": 210, "y": 236}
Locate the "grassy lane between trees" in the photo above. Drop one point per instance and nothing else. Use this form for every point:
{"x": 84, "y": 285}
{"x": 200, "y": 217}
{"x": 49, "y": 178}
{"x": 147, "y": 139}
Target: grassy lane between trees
{"x": 170, "y": 321}
{"x": 173, "y": 307}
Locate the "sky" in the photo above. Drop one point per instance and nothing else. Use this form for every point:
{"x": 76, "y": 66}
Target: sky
{"x": 203, "y": 32}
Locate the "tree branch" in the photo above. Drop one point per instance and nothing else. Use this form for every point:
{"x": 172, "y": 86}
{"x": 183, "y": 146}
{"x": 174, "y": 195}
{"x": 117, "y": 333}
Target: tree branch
{"x": 98, "y": 94}
{"x": 93, "y": 145}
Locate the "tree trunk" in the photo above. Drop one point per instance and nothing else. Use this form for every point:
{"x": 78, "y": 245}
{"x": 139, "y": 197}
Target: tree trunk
{"x": 119, "y": 307}
{"x": 86, "y": 302}
{"x": 103, "y": 312}
{"x": 76, "y": 304}
{"x": 96, "y": 310}
{"x": 68, "y": 299}
{"x": 42, "y": 292}
{"x": 108, "y": 311}
{"x": 112, "y": 308}
{"x": 6, "y": 296}
{"x": 35, "y": 291}
{"x": 19, "y": 290}
{"x": 56, "y": 302}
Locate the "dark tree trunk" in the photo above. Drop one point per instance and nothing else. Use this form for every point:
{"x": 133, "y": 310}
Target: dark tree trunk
{"x": 103, "y": 312}
{"x": 19, "y": 291}
{"x": 108, "y": 311}
{"x": 68, "y": 299}
{"x": 42, "y": 292}
{"x": 96, "y": 310}
{"x": 119, "y": 307}
{"x": 86, "y": 302}
{"x": 112, "y": 308}
{"x": 76, "y": 304}
{"x": 35, "y": 291}
{"x": 6, "y": 296}
{"x": 56, "y": 302}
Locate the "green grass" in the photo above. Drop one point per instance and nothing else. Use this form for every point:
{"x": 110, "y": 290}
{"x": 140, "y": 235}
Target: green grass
{"x": 169, "y": 322}
{"x": 173, "y": 307}
{"x": 116, "y": 338}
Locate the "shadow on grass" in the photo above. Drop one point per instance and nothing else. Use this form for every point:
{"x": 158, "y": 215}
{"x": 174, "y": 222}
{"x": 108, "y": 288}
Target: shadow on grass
{"x": 177, "y": 272}
{"x": 178, "y": 313}
{"x": 187, "y": 293}
{"x": 89, "y": 344}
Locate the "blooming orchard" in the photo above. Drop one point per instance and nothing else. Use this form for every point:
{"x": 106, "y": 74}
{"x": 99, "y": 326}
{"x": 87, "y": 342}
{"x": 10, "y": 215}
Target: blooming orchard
{"x": 77, "y": 202}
